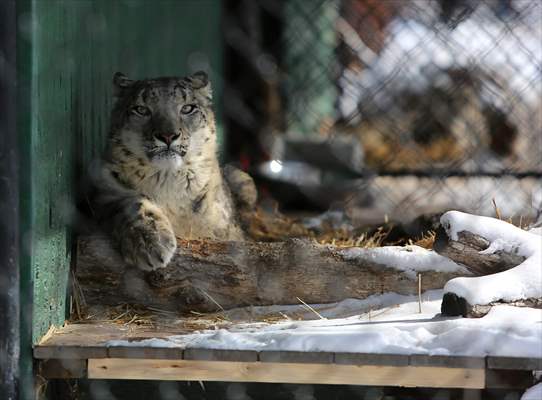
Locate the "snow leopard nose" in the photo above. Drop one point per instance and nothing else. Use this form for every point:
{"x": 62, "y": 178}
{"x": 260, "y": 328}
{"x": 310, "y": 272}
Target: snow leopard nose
{"x": 167, "y": 138}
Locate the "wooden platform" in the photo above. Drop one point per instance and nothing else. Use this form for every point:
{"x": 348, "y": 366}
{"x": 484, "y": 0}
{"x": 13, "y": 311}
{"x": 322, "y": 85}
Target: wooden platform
{"x": 81, "y": 351}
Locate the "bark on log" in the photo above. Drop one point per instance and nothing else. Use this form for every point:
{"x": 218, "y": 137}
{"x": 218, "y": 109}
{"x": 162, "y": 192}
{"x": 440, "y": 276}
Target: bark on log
{"x": 205, "y": 276}
{"x": 466, "y": 250}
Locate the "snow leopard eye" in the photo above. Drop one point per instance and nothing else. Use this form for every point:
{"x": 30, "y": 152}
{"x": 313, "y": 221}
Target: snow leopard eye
{"x": 141, "y": 110}
{"x": 188, "y": 109}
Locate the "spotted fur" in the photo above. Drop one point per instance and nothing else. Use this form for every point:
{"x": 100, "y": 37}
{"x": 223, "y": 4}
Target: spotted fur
{"x": 161, "y": 178}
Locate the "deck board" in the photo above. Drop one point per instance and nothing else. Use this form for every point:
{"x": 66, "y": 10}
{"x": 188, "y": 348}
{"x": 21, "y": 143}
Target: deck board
{"x": 96, "y": 344}
{"x": 191, "y": 370}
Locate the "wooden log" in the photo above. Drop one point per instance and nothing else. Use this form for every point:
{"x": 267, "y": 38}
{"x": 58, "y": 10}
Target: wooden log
{"x": 454, "y": 305}
{"x": 207, "y": 276}
{"x": 466, "y": 250}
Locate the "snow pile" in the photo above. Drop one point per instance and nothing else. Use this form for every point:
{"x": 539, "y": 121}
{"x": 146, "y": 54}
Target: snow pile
{"x": 409, "y": 259}
{"x": 534, "y": 393}
{"x": 519, "y": 283}
{"x": 372, "y": 305}
{"x": 397, "y": 328}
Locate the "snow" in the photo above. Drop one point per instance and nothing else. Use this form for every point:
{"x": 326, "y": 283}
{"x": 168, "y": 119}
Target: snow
{"x": 409, "y": 259}
{"x": 394, "y": 327}
{"x": 519, "y": 283}
{"x": 533, "y": 393}
{"x": 490, "y": 228}
{"x": 154, "y": 342}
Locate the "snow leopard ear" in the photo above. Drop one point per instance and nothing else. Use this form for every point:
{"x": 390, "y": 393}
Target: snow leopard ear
{"x": 121, "y": 82}
{"x": 200, "y": 82}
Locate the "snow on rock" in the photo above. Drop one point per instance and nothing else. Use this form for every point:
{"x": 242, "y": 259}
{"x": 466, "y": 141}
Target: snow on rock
{"x": 533, "y": 393}
{"x": 395, "y": 328}
{"x": 519, "y": 283}
{"x": 409, "y": 259}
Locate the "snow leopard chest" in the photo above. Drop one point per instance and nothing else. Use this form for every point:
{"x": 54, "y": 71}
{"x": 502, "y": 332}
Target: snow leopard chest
{"x": 173, "y": 191}
{"x": 195, "y": 206}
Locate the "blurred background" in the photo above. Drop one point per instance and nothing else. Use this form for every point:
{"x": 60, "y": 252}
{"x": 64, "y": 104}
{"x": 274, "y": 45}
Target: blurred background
{"x": 387, "y": 109}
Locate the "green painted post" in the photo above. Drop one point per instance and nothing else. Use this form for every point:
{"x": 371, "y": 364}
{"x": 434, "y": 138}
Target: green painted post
{"x": 310, "y": 40}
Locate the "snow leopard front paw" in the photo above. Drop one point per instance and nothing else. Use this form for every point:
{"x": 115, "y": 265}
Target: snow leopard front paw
{"x": 147, "y": 241}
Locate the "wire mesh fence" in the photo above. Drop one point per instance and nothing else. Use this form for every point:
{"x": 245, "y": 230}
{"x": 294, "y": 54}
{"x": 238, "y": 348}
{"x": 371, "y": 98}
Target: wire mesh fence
{"x": 389, "y": 107}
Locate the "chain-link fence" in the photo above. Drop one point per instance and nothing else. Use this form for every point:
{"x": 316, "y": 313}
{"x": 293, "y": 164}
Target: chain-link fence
{"x": 392, "y": 107}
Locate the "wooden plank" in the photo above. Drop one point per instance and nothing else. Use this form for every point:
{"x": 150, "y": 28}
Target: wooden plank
{"x": 317, "y": 357}
{"x": 398, "y": 360}
{"x": 149, "y": 353}
{"x": 517, "y": 363}
{"x": 63, "y": 369}
{"x": 220, "y": 355}
{"x": 447, "y": 361}
{"x": 91, "y": 341}
{"x": 70, "y": 352}
{"x": 188, "y": 370}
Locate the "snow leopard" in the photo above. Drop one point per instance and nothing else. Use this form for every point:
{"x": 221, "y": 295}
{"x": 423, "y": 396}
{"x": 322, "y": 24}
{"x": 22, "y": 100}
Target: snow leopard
{"x": 160, "y": 177}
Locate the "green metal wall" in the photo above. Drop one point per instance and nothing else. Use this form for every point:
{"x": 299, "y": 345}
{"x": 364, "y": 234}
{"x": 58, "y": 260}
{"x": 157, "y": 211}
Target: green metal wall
{"x": 68, "y": 51}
